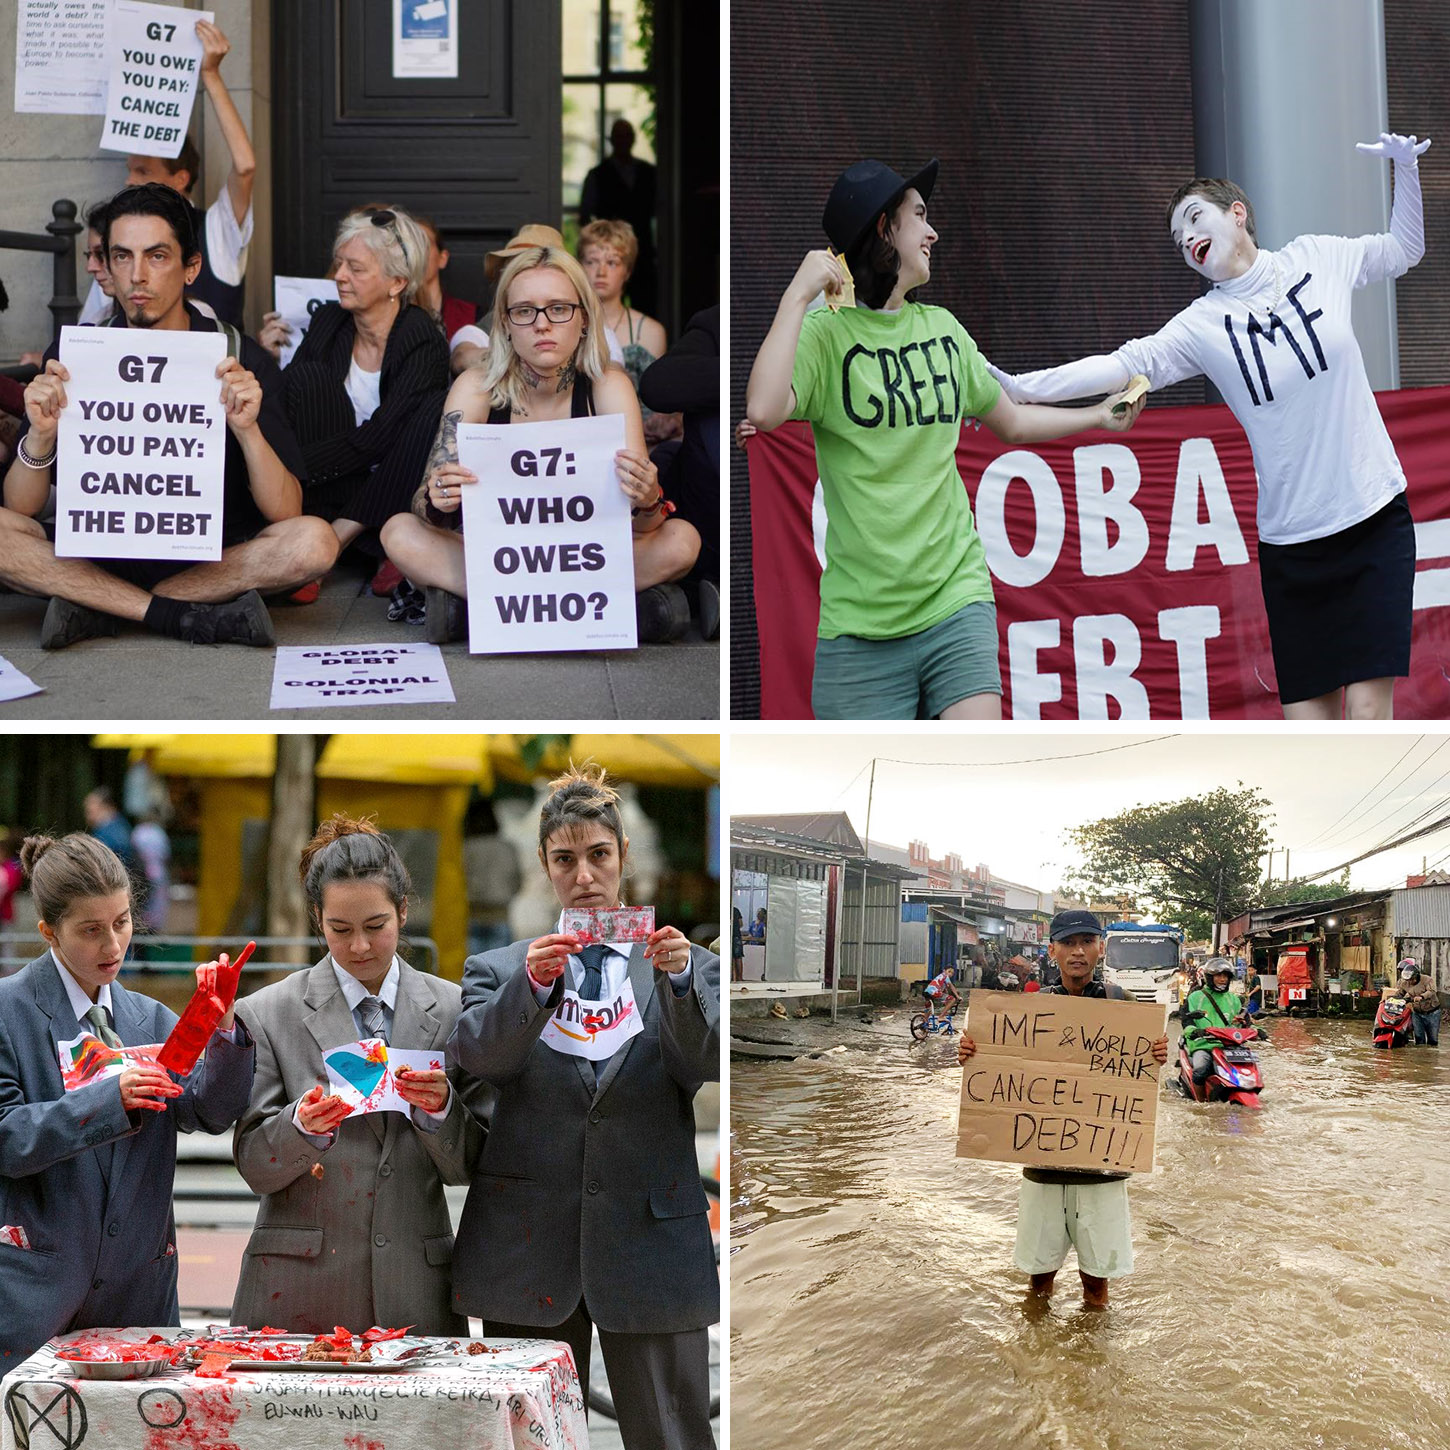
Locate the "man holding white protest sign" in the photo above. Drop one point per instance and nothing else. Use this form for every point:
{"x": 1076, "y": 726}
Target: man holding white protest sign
{"x": 267, "y": 544}
{"x": 547, "y": 363}
{"x": 1079, "y": 1208}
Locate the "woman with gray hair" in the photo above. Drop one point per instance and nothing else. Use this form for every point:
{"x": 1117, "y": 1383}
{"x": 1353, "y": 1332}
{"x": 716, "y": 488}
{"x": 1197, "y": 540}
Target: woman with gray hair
{"x": 547, "y": 360}
{"x": 364, "y": 392}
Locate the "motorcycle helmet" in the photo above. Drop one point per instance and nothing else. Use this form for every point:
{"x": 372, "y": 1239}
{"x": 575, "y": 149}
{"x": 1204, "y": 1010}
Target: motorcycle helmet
{"x": 1409, "y": 968}
{"x": 1217, "y": 966}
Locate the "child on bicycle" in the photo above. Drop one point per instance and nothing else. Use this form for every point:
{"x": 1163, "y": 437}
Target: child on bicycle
{"x": 939, "y": 991}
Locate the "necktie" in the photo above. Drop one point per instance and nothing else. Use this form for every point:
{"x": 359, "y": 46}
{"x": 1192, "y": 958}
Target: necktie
{"x": 98, "y": 1019}
{"x": 592, "y": 987}
{"x": 375, "y": 1022}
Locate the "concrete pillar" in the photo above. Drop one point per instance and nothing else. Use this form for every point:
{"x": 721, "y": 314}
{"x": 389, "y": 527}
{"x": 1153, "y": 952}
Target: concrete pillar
{"x": 1281, "y": 92}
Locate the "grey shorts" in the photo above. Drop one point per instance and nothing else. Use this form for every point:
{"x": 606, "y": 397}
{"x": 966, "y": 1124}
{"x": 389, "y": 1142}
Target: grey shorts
{"x": 913, "y": 677}
{"x": 1092, "y": 1218}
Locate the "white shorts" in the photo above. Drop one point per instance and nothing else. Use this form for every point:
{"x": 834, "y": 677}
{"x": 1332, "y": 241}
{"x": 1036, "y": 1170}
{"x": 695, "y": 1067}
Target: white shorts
{"x": 1093, "y": 1218}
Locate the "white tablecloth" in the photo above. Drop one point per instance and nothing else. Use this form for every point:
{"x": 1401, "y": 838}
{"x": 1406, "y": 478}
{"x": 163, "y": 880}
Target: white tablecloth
{"x": 525, "y": 1397}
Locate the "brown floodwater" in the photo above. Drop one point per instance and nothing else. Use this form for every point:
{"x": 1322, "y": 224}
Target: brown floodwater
{"x": 1290, "y": 1290}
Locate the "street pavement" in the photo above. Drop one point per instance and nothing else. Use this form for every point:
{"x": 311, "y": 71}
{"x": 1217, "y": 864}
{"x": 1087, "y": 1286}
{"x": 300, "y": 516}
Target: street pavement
{"x": 143, "y": 676}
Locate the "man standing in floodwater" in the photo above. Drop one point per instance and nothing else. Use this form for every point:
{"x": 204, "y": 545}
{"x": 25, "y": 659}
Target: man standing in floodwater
{"x": 1062, "y": 1208}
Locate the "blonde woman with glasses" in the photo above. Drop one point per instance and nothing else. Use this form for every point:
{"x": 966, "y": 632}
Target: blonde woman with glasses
{"x": 547, "y": 360}
{"x": 364, "y": 391}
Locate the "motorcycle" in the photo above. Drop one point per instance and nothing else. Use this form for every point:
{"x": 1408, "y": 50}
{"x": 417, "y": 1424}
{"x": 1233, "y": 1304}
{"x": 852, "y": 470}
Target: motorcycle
{"x": 1392, "y": 1022}
{"x": 1234, "y": 1076}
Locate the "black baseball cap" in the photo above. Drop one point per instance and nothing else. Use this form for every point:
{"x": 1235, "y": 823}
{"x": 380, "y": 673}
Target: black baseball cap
{"x": 864, "y": 190}
{"x": 1074, "y": 923}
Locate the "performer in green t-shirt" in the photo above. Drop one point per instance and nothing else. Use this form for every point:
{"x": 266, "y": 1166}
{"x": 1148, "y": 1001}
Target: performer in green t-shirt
{"x": 908, "y": 628}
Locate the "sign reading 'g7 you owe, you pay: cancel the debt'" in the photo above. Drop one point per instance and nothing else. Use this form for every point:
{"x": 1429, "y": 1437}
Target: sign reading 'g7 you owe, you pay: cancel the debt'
{"x": 548, "y": 547}
{"x": 1061, "y": 1082}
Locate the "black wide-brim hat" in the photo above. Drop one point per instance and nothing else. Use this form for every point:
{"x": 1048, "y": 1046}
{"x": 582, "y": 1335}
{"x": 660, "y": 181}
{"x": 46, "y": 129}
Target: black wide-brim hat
{"x": 862, "y": 192}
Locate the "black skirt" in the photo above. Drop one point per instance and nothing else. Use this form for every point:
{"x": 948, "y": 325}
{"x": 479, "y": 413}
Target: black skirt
{"x": 1340, "y": 607}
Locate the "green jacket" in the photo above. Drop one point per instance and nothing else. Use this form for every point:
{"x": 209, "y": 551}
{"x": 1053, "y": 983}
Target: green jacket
{"x": 1199, "y": 1012}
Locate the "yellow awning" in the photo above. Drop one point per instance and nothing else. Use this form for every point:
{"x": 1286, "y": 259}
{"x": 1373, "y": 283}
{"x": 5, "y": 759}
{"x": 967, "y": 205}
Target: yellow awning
{"x": 679, "y": 760}
{"x": 435, "y": 759}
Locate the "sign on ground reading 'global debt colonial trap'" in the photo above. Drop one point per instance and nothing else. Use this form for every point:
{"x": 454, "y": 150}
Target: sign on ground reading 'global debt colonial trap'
{"x": 155, "y": 60}
{"x": 547, "y": 543}
{"x": 141, "y": 445}
{"x": 1061, "y": 1082}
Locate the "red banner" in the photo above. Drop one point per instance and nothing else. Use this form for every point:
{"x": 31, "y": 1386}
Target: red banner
{"x": 1125, "y": 566}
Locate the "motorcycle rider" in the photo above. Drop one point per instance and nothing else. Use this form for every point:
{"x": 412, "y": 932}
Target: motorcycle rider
{"x": 1212, "y": 1005}
{"x": 1424, "y": 999}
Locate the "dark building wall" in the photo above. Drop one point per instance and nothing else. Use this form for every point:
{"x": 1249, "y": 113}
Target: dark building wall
{"x": 1062, "y": 130}
{"x": 1417, "y": 61}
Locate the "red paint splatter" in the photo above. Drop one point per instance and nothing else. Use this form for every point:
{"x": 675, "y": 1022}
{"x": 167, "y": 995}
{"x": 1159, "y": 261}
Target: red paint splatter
{"x": 357, "y": 1442}
{"x": 210, "y": 1418}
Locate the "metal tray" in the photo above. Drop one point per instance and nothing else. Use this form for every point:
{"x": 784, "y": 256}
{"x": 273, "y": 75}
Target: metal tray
{"x": 100, "y": 1369}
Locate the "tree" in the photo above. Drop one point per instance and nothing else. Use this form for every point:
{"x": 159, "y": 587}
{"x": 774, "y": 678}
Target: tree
{"x": 294, "y": 791}
{"x": 1196, "y": 861}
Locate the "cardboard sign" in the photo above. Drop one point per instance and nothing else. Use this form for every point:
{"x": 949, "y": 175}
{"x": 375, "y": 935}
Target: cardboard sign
{"x": 596, "y": 1030}
{"x": 86, "y": 1059}
{"x": 60, "y": 57}
{"x": 362, "y": 1074}
{"x": 14, "y": 685}
{"x": 1061, "y": 1082}
{"x": 307, "y": 676}
{"x": 142, "y": 445}
{"x": 624, "y": 925}
{"x": 297, "y": 298}
{"x": 154, "y": 56}
{"x": 547, "y": 543}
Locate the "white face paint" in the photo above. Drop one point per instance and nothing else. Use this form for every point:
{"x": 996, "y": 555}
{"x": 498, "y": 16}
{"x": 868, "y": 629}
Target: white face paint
{"x": 1215, "y": 243}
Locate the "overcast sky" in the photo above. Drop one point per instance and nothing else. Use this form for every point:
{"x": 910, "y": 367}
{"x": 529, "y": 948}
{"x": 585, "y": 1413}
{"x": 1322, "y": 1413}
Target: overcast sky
{"x": 1003, "y": 799}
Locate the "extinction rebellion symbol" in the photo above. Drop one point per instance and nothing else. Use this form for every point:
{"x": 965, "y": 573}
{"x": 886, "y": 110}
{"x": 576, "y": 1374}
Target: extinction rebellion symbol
{"x": 46, "y": 1402}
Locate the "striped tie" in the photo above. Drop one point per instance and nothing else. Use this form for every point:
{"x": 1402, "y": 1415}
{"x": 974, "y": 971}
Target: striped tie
{"x": 98, "y": 1019}
{"x": 375, "y": 1021}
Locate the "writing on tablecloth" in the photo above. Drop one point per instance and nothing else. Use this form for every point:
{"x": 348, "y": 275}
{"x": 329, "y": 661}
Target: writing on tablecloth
{"x": 1061, "y": 1082}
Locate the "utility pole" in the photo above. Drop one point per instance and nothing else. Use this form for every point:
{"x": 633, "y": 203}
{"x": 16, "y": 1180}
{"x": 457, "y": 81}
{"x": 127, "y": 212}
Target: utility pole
{"x": 861, "y": 944}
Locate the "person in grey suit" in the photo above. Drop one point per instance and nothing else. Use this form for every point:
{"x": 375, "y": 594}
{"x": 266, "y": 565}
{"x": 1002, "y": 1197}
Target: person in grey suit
{"x": 354, "y": 1228}
{"x": 587, "y": 1205}
{"x": 87, "y": 1238}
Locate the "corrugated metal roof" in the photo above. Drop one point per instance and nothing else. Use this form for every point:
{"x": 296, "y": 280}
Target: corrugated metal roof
{"x": 1422, "y": 911}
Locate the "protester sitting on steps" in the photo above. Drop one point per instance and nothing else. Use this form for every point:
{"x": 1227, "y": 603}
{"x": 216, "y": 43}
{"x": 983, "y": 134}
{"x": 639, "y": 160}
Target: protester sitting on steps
{"x": 546, "y": 363}
{"x": 268, "y": 544}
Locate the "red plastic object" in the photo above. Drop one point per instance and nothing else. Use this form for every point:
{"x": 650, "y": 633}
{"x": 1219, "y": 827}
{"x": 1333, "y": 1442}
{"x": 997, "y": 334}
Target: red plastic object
{"x": 216, "y": 990}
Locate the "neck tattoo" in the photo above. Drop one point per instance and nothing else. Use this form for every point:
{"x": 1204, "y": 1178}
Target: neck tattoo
{"x": 566, "y": 377}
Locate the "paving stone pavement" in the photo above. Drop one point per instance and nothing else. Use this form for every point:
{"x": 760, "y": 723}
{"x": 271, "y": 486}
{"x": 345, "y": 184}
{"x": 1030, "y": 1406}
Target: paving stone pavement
{"x": 143, "y": 676}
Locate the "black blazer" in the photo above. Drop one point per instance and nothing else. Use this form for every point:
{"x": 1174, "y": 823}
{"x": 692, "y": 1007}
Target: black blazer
{"x": 415, "y": 375}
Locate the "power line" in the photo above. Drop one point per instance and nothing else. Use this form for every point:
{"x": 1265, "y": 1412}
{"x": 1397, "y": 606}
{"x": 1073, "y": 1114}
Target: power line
{"x": 1379, "y": 821}
{"x": 1404, "y": 840}
{"x": 1029, "y": 760}
{"x": 1350, "y": 811}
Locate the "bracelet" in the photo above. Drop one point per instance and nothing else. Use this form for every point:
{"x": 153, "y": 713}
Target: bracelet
{"x": 36, "y": 463}
{"x": 660, "y": 503}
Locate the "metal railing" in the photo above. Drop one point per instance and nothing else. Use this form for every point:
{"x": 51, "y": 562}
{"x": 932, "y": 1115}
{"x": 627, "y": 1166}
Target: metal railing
{"x": 58, "y": 239}
{"x": 19, "y": 948}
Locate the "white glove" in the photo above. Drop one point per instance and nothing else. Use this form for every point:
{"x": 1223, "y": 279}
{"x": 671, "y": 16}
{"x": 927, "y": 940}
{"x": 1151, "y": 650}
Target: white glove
{"x": 1401, "y": 149}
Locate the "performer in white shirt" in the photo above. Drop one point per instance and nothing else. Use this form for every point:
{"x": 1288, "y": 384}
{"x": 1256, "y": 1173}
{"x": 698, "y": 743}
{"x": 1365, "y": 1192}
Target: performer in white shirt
{"x": 1273, "y": 334}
